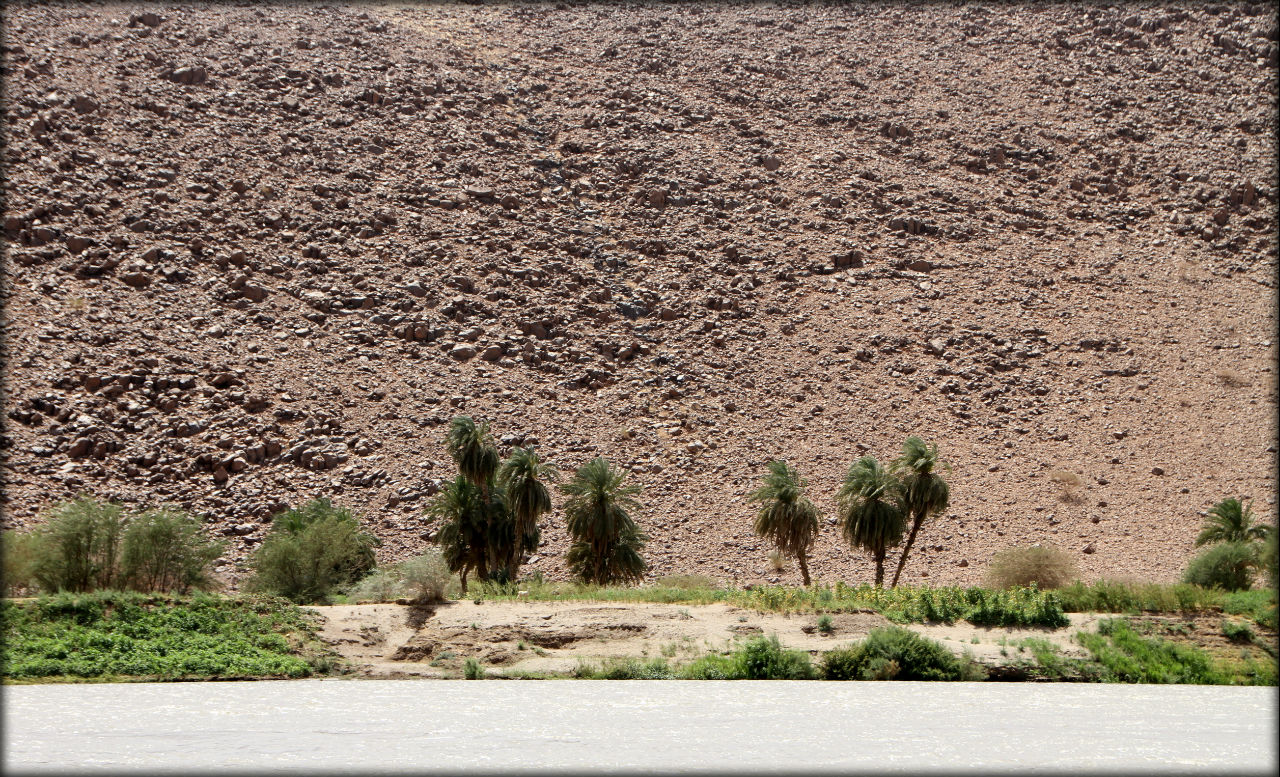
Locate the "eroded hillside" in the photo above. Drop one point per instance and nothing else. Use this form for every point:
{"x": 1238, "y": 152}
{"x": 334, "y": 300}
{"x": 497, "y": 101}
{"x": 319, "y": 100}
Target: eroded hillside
{"x": 257, "y": 253}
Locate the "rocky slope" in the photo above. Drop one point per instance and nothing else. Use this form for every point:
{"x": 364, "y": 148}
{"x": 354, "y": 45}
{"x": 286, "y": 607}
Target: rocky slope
{"x": 260, "y": 253}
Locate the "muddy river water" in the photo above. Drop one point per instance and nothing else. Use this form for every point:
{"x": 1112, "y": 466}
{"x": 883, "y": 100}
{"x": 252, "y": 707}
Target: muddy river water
{"x": 511, "y": 726}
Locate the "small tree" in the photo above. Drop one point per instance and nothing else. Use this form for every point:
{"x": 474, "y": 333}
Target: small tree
{"x": 1226, "y": 565}
{"x": 924, "y": 492}
{"x": 472, "y": 449}
{"x": 600, "y": 516}
{"x": 871, "y": 515}
{"x": 1231, "y": 521}
{"x": 310, "y": 551}
{"x": 522, "y": 478}
{"x": 164, "y": 550}
{"x": 79, "y": 546}
{"x": 787, "y": 518}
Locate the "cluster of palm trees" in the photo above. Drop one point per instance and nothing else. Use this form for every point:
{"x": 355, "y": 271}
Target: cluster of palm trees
{"x": 877, "y": 506}
{"x": 491, "y": 509}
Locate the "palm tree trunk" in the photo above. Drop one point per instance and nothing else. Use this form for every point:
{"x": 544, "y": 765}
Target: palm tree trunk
{"x": 906, "y": 550}
{"x": 804, "y": 568}
{"x": 880, "y": 568}
{"x": 462, "y": 574}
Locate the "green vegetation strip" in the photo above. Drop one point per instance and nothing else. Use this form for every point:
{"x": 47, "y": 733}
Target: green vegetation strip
{"x": 117, "y": 635}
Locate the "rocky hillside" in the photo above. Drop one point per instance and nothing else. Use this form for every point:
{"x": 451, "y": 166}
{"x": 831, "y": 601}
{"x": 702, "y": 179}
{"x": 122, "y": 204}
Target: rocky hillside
{"x": 256, "y": 253}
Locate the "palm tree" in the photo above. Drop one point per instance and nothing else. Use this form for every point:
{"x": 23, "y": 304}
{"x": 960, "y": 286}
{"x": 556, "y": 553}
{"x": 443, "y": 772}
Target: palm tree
{"x": 786, "y": 517}
{"x": 472, "y": 449}
{"x": 521, "y": 477}
{"x": 924, "y": 492}
{"x": 599, "y": 515}
{"x": 1231, "y": 521}
{"x": 476, "y": 527}
{"x": 871, "y": 514}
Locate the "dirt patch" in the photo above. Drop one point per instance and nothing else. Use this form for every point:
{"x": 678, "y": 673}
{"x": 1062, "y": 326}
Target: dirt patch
{"x": 390, "y": 640}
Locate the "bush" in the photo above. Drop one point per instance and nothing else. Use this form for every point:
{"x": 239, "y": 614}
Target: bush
{"x": 79, "y": 546}
{"x": 1237, "y": 632}
{"x": 1227, "y": 565}
{"x": 895, "y": 653}
{"x": 423, "y": 578}
{"x": 21, "y": 552}
{"x": 1130, "y": 658}
{"x": 1043, "y": 565}
{"x": 472, "y": 670}
{"x": 685, "y": 582}
{"x": 163, "y": 550}
{"x": 310, "y": 551}
{"x": 763, "y": 658}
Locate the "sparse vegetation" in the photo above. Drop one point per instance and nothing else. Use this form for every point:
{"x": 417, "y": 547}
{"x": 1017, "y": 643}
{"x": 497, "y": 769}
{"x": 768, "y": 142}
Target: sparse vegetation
{"x": 310, "y": 552}
{"x": 1042, "y": 565}
{"x": 786, "y": 518}
{"x": 1127, "y": 656}
{"x": 21, "y": 554}
{"x": 825, "y": 626}
{"x": 472, "y": 670}
{"x": 423, "y": 578}
{"x": 1070, "y": 483}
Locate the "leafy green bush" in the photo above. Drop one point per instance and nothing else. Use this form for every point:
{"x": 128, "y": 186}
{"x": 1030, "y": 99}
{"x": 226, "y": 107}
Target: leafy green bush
{"x": 164, "y": 550}
{"x": 310, "y": 551}
{"x": 825, "y": 625}
{"x": 114, "y": 633}
{"x": 21, "y": 553}
{"x": 762, "y": 658}
{"x": 895, "y": 653}
{"x": 625, "y": 669}
{"x": 1258, "y": 605}
{"x": 1228, "y": 565}
{"x": 1129, "y": 597}
{"x": 79, "y": 546}
{"x": 472, "y": 670}
{"x": 1237, "y": 632}
{"x": 1042, "y": 565}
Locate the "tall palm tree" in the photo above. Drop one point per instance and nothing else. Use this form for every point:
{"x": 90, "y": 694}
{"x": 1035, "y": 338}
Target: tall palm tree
{"x": 787, "y": 517}
{"x": 472, "y": 449}
{"x": 600, "y": 516}
{"x": 476, "y": 526}
{"x": 522, "y": 477}
{"x": 924, "y": 492}
{"x": 871, "y": 514}
{"x": 1231, "y": 521}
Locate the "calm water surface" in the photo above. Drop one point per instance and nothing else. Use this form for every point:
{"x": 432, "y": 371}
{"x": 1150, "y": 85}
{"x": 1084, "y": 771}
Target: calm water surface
{"x": 729, "y": 727}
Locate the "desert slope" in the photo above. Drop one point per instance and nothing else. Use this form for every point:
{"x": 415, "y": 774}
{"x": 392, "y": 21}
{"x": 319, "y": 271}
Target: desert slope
{"x": 260, "y": 253}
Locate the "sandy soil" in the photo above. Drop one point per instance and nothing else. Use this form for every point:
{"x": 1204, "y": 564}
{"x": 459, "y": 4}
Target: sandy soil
{"x": 396, "y": 640}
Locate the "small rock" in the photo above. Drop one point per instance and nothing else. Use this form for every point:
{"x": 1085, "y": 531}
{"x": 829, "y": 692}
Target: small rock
{"x": 492, "y": 353}
{"x": 462, "y": 352}
{"x": 1157, "y": 470}
{"x": 771, "y": 163}
{"x": 83, "y": 103}
{"x": 1089, "y": 549}
{"x": 964, "y": 562}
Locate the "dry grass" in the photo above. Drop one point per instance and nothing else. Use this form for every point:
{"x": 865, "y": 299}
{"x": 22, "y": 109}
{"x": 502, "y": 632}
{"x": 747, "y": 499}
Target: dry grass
{"x": 1070, "y": 482}
{"x": 1044, "y": 565}
{"x": 1231, "y": 378}
{"x": 777, "y": 562}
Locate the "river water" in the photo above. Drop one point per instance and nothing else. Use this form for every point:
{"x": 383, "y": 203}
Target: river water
{"x": 638, "y": 726}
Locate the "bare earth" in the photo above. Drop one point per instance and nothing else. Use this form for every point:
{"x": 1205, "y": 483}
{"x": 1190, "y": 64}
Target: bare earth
{"x": 394, "y": 640}
{"x": 256, "y": 253}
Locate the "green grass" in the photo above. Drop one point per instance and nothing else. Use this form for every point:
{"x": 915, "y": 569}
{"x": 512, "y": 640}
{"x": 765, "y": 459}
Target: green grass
{"x": 983, "y": 607}
{"x": 112, "y": 635}
{"x": 1128, "y": 657}
{"x": 760, "y": 658}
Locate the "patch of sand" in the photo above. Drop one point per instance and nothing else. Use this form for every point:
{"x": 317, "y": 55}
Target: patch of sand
{"x": 396, "y": 640}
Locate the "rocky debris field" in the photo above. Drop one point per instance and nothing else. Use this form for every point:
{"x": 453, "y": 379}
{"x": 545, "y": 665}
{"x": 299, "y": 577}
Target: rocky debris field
{"x": 258, "y": 253}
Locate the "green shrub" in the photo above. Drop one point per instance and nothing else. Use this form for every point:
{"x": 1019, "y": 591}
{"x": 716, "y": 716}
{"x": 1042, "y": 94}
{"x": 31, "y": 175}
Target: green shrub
{"x": 711, "y": 667}
{"x": 310, "y": 551}
{"x": 824, "y": 624}
{"x": 1130, "y": 658}
{"x": 895, "y": 653}
{"x": 164, "y": 550}
{"x": 1269, "y": 558}
{"x": 1042, "y": 565}
{"x": 1237, "y": 632}
{"x": 79, "y": 546}
{"x": 1258, "y": 605}
{"x": 762, "y": 658}
{"x": 1228, "y": 565}
{"x": 21, "y": 553}
{"x": 472, "y": 670}
{"x": 625, "y": 669}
